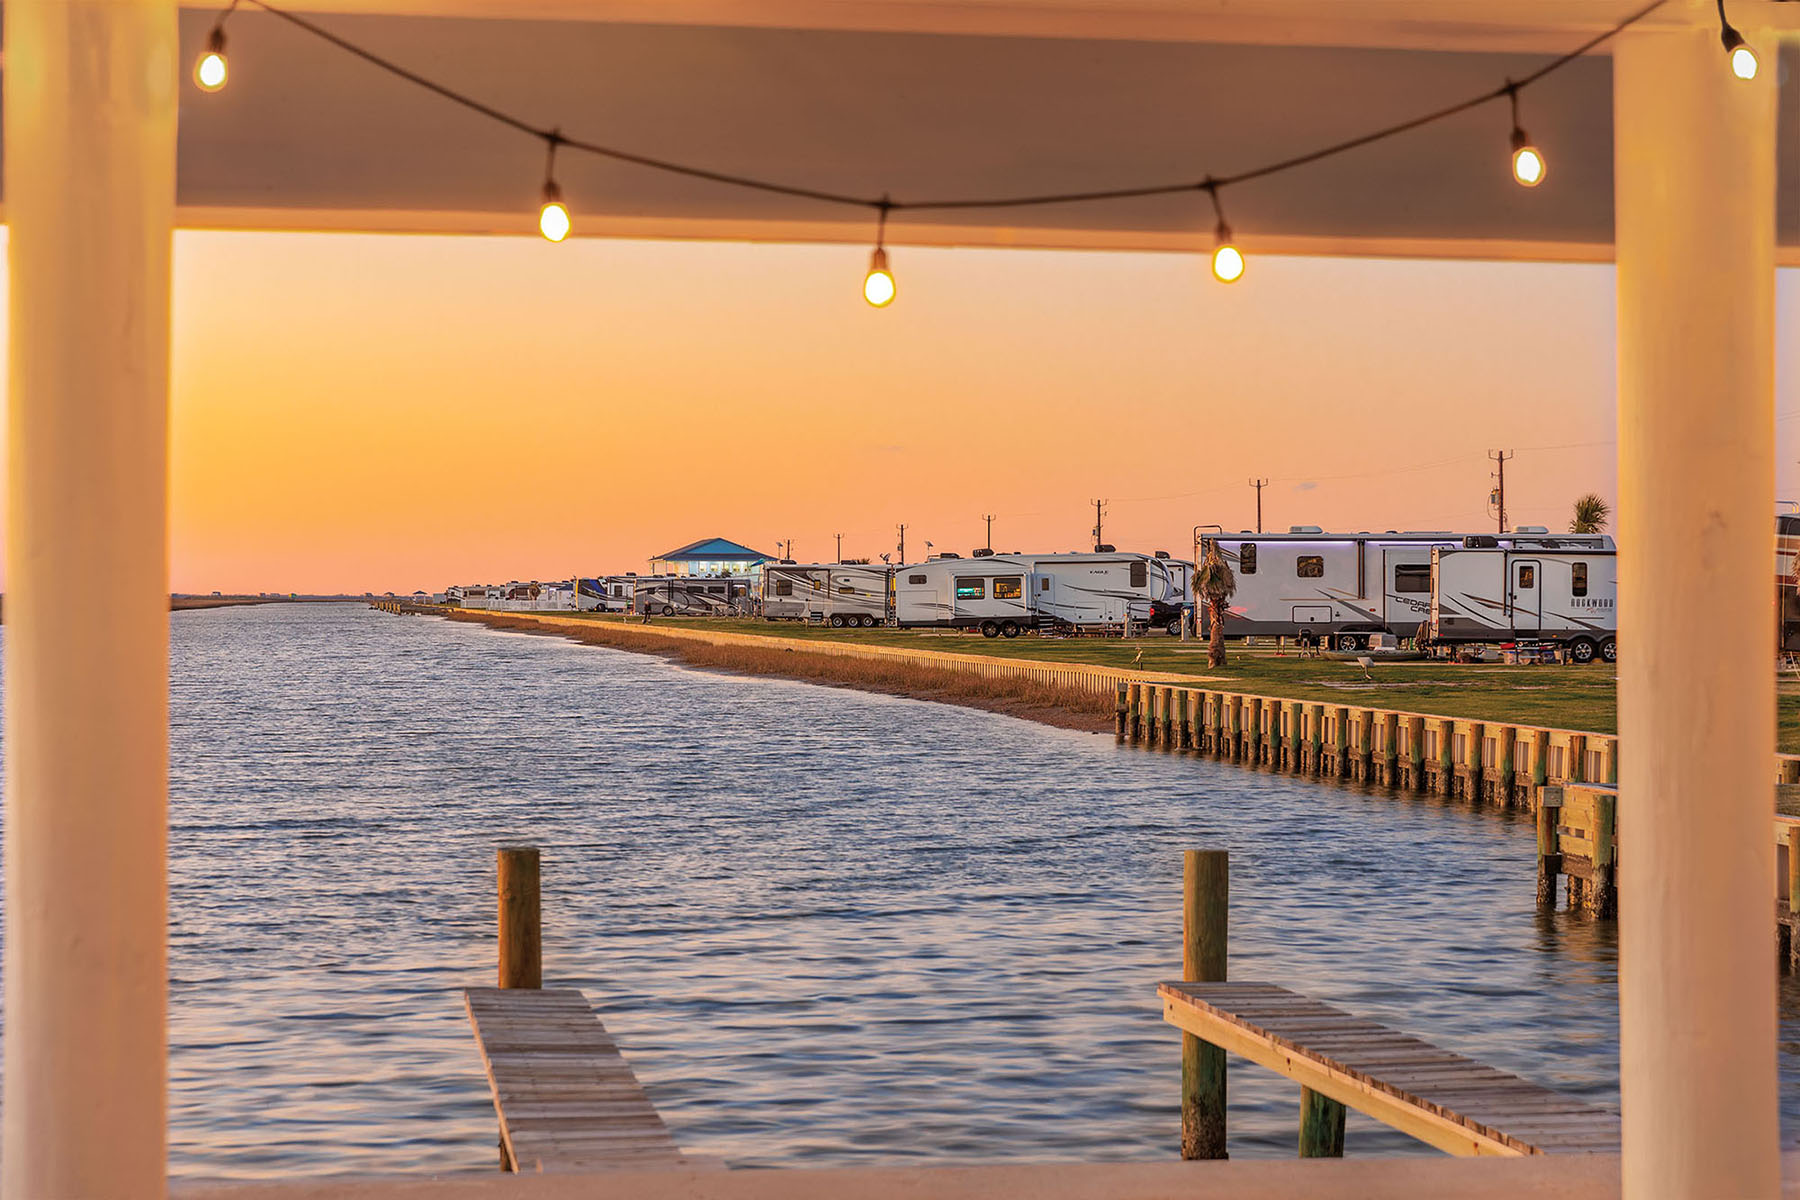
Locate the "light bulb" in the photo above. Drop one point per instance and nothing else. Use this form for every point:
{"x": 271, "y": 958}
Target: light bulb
{"x": 553, "y": 218}
{"x": 878, "y": 284}
{"x": 1743, "y": 62}
{"x": 1227, "y": 263}
{"x": 1527, "y": 160}
{"x": 210, "y": 71}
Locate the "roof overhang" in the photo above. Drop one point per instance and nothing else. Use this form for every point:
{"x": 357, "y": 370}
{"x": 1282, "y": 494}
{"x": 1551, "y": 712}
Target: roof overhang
{"x": 931, "y": 98}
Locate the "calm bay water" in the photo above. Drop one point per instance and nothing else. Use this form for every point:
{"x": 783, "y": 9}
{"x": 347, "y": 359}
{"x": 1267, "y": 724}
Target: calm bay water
{"x": 826, "y": 927}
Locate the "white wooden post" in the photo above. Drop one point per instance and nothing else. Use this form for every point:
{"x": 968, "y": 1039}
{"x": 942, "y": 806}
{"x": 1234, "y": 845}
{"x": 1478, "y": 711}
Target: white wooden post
{"x": 90, "y": 96}
{"x": 1695, "y": 178}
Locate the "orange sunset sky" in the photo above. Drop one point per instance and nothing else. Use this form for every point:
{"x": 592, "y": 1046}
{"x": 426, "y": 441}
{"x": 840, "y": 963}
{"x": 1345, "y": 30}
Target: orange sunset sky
{"x": 389, "y": 413}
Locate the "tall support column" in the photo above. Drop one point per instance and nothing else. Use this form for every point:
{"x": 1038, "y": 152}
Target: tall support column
{"x": 90, "y": 93}
{"x": 1695, "y": 179}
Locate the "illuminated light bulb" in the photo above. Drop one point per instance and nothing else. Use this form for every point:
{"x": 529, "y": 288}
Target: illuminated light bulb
{"x": 878, "y": 284}
{"x": 553, "y": 218}
{"x": 210, "y": 72}
{"x": 1227, "y": 260}
{"x": 1527, "y": 161}
{"x": 1743, "y": 62}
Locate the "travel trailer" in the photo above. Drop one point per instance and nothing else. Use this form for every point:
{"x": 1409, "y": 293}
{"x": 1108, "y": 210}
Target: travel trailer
{"x": 838, "y": 594}
{"x": 692, "y": 595}
{"x": 1339, "y": 588}
{"x": 1787, "y": 576}
{"x": 1005, "y": 594}
{"x": 1485, "y": 594}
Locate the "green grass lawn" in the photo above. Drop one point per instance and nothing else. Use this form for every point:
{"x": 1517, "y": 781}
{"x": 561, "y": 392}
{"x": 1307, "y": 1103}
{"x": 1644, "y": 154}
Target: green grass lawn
{"x": 1561, "y": 697}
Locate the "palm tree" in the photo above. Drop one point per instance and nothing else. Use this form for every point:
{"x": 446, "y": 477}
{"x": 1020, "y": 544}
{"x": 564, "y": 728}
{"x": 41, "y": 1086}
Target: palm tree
{"x": 1591, "y": 513}
{"x": 1215, "y": 584}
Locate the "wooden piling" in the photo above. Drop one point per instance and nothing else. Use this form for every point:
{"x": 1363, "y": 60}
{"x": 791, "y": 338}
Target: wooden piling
{"x": 1604, "y": 896}
{"x": 1446, "y": 756}
{"x": 1168, "y": 717}
{"x": 1415, "y": 752}
{"x": 521, "y": 931}
{"x": 1135, "y": 702}
{"x": 1390, "y": 749}
{"x": 1321, "y": 1126}
{"x": 1206, "y": 901}
{"x": 1549, "y": 853}
{"x": 1119, "y": 712}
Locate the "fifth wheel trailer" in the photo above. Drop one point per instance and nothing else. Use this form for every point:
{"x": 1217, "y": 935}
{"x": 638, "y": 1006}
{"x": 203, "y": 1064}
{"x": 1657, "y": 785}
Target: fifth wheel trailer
{"x": 1006, "y": 594}
{"x": 1498, "y": 594}
{"x": 837, "y": 594}
{"x": 1339, "y": 588}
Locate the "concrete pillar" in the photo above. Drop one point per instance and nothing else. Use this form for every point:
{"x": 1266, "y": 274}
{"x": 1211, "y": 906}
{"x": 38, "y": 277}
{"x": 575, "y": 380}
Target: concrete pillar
{"x": 90, "y": 92}
{"x": 1695, "y": 183}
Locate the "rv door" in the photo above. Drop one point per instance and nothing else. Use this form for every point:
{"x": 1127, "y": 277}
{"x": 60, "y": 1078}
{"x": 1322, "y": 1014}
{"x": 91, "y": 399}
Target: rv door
{"x": 1525, "y": 593}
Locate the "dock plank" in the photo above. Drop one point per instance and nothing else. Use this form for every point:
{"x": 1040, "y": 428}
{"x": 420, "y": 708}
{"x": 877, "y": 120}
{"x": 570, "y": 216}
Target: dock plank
{"x": 566, "y": 1098}
{"x": 1444, "y": 1099}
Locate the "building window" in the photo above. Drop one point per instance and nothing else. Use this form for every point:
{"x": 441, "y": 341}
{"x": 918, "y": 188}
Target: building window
{"x": 1527, "y": 575}
{"x": 1578, "y": 579}
{"x": 1309, "y": 566}
{"x": 1010, "y": 588}
{"x": 915, "y": 579}
{"x": 1247, "y": 559}
{"x": 970, "y": 589}
{"x": 1140, "y": 574}
{"x": 1412, "y": 579}
{"x": 784, "y": 587}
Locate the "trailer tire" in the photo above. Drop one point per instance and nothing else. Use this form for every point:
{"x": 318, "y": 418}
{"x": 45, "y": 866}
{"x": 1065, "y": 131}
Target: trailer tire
{"x": 1009, "y": 629}
{"x": 1173, "y": 628}
{"x": 990, "y": 629}
{"x": 1609, "y": 649}
{"x": 1348, "y": 642}
{"x": 1581, "y": 650}
{"x": 870, "y": 621}
{"x": 837, "y": 620}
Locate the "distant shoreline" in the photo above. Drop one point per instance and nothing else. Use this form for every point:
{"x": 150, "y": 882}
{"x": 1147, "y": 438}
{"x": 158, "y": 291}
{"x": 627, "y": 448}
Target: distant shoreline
{"x": 187, "y": 603}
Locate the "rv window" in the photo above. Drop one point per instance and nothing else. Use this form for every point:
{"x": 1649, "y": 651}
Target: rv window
{"x": 1527, "y": 575}
{"x": 915, "y": 579}
{"x": 1247, "y": 559}
{"x": 1578, "y": 579}
{"x": 1140, "y": 574}
{"x": 845, "y": 589}
{"x": 1044, "y": 584}
{"x": 1412, "y": 579}
{"x": 1010, "y": 588}
{"x": 818, "y": 585}
{"x": 970, "y": 589}
{"x": 715, "y": 589}
{"x": 784, "y": 587}
{"x": 1309, "y": 566}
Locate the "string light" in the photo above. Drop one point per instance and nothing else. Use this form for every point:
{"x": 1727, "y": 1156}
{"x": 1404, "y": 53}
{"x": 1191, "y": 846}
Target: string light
{"x": 1227, "y": 259}
{"x": 1527, "y": 160}
{"x": 553, "y": 217}
{"x": 878, "y": 284}
{"x": 1743, "y": 58}
{"x": 210, "y": 70}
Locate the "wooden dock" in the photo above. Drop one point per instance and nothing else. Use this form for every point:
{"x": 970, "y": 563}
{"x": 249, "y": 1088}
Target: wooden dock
{"x": 566, "y": 1098}
{"x": 1454, "y": 1103}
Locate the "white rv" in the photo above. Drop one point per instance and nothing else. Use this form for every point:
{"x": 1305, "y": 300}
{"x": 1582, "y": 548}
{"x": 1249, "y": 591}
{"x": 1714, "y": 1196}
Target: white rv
{"x": 837, "y": 594}
{"x": 692, "y": 595}
{"x": 1498, "y": 594}
{"x": 1005, "y": 594}
{"x": 1338, "y": 588}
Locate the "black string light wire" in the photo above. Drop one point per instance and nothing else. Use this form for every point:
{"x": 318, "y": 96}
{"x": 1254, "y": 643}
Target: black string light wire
{"x": 1227, "y": 258}
{"x": 1743, "y": 59}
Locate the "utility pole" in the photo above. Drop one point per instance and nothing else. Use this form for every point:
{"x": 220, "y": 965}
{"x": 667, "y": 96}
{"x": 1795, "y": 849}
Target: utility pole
{"x": 989, "y": 518}
{"x": 1099, "y": 518}
{"x": 840, "y": 542}
{"x": 1259, "y": 485}
{"x": 1500, "y": 457}
{"x": 903, "y": 543}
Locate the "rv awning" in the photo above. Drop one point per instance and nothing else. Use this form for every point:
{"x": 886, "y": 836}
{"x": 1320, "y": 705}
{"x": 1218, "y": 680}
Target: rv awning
{"x": 920, "y": 98}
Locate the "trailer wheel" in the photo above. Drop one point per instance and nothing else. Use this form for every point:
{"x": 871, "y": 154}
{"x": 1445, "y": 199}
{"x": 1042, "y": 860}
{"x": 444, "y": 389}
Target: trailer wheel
{"x": 1347, "y": 642}
{"x": 837, "y": 620}
{"x": 869, "y": 621}
{"x": 990, "y": 629}
{"x": 1581, "y": 650}
{"x": 1173, "y": 628}
{"x": 1009, "y": 629}
{"x": 1609, "y": 649}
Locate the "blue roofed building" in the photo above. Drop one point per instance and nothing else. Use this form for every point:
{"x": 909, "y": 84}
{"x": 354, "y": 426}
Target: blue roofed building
{"x": 708, "y": 556}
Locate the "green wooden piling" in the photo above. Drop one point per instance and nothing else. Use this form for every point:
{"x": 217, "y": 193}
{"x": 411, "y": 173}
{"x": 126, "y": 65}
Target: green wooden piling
{"x": 1206, "y": 902}
{"x": 1321, "y": 1126}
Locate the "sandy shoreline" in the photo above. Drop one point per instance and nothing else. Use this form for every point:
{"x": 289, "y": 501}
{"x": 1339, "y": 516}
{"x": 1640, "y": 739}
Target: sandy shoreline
{"x": 1063, "y": 708}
